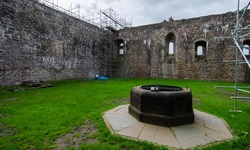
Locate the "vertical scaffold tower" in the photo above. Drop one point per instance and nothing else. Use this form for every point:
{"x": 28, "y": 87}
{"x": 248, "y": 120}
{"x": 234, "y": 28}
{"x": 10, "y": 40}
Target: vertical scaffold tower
{"x": 110, "y": 22}
{"x": 240, "y": 33}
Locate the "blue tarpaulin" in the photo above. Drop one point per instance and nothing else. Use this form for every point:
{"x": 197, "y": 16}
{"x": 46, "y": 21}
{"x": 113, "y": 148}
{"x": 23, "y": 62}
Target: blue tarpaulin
{"x": 102, "y": 78}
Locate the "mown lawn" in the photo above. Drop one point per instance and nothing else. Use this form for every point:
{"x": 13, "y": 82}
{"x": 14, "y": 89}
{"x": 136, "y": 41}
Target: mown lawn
{"x": 38, "y": 119}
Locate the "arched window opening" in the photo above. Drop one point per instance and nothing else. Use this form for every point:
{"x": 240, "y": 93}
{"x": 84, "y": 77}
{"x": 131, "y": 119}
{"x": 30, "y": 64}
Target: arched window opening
{"x": 171, "y": 48}
{"x": 170, "y": 45}
{"x": 200, "y": 49}
{"x": 246, "y": 49}
{"x": 121, "y": 50}
{"x": 120, "y": 46}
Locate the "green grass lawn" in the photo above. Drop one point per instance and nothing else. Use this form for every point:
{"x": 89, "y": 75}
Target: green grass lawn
{"x": 38, "y": 119}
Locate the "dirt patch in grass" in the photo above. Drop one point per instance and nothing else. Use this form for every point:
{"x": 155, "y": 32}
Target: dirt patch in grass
{"x": 118, "y": 101}
{"x": 82, "y": 134}
{"x": 228, "y": 93}
{"x": 30, "y": 85}
{"x": 197, "y": 103}
{"x": 231, "y": 93}
{"x": 122, "y": 101}
{"x": 6, "y": 130}
{"x": 4, "y": 115}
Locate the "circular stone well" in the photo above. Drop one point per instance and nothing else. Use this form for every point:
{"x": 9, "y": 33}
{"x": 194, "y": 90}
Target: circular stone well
{"x": 161, "y": 105}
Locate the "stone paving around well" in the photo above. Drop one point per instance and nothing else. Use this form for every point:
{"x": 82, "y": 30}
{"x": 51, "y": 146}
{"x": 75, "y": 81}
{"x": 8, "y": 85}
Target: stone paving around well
{"x": 206, "y": 129}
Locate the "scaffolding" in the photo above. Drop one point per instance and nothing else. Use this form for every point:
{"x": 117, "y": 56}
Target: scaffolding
{"x": 109, "y": 18}
{"x": 240, "y": 33}
{"x": 72, "y": 11}
{"x": 104, "y": 18}
{"x": 110, "y": 22}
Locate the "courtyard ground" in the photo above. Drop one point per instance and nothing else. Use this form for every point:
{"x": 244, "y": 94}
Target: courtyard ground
{"x": 69, "y": 114}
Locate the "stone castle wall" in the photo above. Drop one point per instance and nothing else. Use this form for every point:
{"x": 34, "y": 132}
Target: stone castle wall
{"x": 38, "y": 43}
{"x": 147, "y": 50}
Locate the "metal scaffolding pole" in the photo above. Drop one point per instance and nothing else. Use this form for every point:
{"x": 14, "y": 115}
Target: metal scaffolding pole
{"x": 111, "y": 23}
{"x": 239, "y": 51}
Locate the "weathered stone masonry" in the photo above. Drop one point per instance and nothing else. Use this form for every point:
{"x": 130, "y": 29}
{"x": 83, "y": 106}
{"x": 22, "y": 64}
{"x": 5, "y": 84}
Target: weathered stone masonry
{"x": 147, "y": 49}
{"x": 39, "y": 43}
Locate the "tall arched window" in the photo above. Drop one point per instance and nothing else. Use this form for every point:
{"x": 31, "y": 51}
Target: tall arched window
{"x": 246, "y": 46}
{"x": 200, "y": 49}
{"x": 120, "y": 46}
{"x": 246, "y": 49}
{"x": 171, "y": 48}
{"x": 170, "y": 45}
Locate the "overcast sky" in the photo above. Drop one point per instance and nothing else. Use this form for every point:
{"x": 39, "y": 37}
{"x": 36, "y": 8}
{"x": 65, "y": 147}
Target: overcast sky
{"x": 142, "y": 12}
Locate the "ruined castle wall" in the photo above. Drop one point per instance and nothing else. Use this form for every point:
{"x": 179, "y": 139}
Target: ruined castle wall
{"x": 147, "y": 50}
{"x": 39, "y": 43}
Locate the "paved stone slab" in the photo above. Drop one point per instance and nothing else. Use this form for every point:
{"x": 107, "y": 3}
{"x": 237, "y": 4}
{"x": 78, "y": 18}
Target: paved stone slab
{"x": 119, "y": 109}
{"x": 199, "y": 121}
{"x": 148, "y": 132}
{"x": 133, "y": 131}
{"x": 220, "y": 127}
{"x": 215, "y": 135}
{"x": 122, "y": 109}
{"x": 212, "y": 122}
{"x": 189, "y": 137}
{"x": 206, "y": 129}
{"x": 165, "y": 136}
{"x": 120, "y": 121}
{"x": 203, "y": 116}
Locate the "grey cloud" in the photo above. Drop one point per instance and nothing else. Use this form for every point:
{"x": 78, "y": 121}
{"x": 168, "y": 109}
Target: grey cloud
{"x": 109, "y": 1}
{"x": 155, "y": 11}
{"x": 89, "y": 8}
